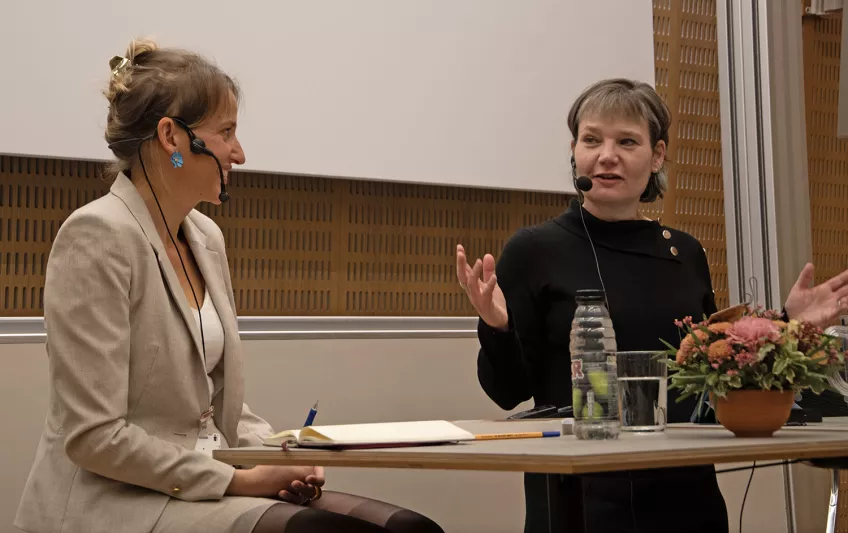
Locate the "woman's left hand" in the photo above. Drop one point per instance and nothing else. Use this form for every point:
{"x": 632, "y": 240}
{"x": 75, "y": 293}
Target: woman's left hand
{"x": 307, "y": 486}
{"x": 821, "y": 304}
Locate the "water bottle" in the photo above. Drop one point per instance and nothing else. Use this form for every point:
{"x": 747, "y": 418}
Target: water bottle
{"x": 593, "y": 371}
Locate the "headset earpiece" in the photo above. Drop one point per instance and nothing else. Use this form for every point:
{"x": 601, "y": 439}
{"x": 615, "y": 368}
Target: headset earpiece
{"x": 197, "y": 146}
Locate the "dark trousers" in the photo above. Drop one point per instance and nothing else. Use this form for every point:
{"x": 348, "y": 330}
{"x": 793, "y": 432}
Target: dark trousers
{"x": 640, "y": 501}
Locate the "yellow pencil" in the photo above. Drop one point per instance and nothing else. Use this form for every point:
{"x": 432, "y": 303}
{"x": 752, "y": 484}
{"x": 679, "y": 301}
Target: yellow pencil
{"x": 523, "y": 435}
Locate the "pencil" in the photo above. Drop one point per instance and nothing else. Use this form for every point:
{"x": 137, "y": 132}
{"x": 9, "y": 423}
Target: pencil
{"x": 524, "y": 435}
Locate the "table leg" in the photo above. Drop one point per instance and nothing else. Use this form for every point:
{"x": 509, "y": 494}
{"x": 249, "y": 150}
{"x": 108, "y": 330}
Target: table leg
{"x": 834, "y": 501}
{"x": 565, "y": 504}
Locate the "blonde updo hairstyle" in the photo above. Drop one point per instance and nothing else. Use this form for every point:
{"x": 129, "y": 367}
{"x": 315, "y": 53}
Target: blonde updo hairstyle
{"x": 629, "y": 99}
{"x": 150, "y": 83}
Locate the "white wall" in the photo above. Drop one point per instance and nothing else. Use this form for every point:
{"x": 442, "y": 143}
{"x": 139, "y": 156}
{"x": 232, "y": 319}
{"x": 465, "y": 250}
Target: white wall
{"x": 363, "y": 380}
{"x": 469, "y": 92}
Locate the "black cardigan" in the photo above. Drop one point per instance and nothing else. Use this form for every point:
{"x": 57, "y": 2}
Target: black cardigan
{"x": 653, "y": 275}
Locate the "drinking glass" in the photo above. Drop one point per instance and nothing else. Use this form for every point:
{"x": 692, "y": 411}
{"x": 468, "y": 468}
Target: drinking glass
{"x": 642, "y": 390}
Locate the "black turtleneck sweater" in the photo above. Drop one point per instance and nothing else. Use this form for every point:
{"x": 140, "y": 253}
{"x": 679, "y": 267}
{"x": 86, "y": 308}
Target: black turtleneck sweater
{"x": 653, "y": 275}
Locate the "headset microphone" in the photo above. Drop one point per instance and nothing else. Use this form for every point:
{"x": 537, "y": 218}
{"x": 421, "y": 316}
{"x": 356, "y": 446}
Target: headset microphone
{"x": 584, "y": 183}
{"x": 197, "y": 146}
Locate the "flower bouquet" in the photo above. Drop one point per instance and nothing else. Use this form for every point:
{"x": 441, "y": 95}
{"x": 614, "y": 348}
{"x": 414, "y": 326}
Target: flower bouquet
{"x": 752, "y": 362}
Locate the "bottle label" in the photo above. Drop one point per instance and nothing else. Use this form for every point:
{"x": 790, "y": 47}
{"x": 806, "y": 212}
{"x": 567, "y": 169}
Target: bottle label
{"x": 577, "y": 369}
{"x": 594, "y": 389}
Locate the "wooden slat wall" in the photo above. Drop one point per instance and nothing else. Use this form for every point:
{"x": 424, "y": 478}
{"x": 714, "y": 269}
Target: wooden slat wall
{"x": 827, "y": 154}
{"x": 827, "y": 158}
{"x": 315, "y": 246}
{"x": 687, "y": 77}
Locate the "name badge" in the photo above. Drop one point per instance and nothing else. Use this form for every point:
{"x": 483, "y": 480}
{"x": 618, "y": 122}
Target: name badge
{"x": 208, "y": 443}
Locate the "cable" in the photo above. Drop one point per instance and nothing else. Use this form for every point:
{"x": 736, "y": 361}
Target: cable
{"x": 781, "y": 463}
{"x": 597, "y": 264}
{"x": 632, "y": 505}
{"x": 194, "y": 295}
{"x": 742, "y": 510}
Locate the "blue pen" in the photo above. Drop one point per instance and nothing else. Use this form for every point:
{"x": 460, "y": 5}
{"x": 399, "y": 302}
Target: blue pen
{"x": 311, "y": 416}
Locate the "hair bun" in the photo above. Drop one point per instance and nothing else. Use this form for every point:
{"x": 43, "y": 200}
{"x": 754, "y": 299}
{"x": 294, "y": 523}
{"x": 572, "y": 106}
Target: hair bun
{"x": 138, "y": 48}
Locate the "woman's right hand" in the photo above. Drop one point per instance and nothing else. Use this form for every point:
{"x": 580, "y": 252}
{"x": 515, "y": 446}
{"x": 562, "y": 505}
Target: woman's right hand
{"x": 481, "y": 285}
{"x": 286, "y": 482}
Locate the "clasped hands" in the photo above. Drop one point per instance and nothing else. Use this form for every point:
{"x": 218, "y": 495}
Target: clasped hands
{"x": 294, "y": 484}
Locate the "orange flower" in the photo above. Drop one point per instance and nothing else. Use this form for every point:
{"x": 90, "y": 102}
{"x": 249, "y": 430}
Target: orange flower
{"x": 780, "y": 323}
{"x": 719, "y": 351}
{"x": 701, "y": 334}
{"x": 719, "y": 327}
{"x": 687, "y": 345}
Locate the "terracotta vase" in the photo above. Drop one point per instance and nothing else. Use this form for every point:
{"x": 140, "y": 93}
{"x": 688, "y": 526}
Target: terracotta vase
{"x": 754, "y": 413}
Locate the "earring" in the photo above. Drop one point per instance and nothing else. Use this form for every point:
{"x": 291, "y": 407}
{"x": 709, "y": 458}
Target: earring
{"x": 177, "y": 159}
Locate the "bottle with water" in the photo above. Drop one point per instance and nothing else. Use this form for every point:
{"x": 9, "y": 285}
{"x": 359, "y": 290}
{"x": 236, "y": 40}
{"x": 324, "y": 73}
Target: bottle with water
{"x": 593, "y": 370}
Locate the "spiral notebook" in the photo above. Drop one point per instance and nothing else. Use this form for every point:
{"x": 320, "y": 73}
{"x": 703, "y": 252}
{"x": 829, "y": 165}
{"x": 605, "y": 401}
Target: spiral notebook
{"x": 375, "y": 435}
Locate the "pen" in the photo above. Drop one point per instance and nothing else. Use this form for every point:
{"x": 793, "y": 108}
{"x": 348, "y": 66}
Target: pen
{"x": 527, "y": 435}
{"x": 311, "y": 416}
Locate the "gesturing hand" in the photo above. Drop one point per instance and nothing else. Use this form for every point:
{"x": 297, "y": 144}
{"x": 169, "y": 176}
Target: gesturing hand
{"x": 821, "y": 304}
{"x": 485, "y": 294}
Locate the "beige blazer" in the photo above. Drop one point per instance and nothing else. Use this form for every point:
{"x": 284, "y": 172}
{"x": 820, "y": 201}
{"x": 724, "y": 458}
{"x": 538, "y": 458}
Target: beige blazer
{"x": 127, "y": 376}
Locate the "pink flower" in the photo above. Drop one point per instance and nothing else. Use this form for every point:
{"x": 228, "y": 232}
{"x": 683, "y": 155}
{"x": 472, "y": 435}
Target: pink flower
{"x": 687, "y": 321}
{"x": 753, "y": 332}
{"x": 732, "y": 373}
{"x": 745, "y": 358}
{"x": 771, "y": 314}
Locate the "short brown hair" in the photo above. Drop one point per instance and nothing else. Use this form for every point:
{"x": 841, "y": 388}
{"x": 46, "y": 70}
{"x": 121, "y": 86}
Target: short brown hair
{"x": 634, "y": 100}
{"x": 156, "y": 83}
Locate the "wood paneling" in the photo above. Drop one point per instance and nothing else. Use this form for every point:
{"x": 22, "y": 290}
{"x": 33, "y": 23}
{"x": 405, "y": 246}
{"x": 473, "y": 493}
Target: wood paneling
{"x": 686, "y": 60}
{"x": 827, "y": 154}
{"x": 828, "y": 167}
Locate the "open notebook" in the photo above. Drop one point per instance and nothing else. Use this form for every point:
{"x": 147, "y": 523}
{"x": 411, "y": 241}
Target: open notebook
{"x": 379, "y": 435}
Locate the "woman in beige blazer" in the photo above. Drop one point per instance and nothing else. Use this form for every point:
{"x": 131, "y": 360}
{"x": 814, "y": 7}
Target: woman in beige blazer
{"x": 143, "y": 342}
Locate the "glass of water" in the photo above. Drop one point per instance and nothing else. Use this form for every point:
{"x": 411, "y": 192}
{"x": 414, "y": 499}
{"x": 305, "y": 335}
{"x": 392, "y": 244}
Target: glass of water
{"x": 642, "y": 391}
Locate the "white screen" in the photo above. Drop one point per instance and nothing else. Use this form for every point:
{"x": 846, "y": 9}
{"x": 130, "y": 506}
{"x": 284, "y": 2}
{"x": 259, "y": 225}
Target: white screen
{"x": 457, "y": 92}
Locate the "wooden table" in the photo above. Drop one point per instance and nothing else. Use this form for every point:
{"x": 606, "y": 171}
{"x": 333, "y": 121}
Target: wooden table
{"x": 679, "y": 445}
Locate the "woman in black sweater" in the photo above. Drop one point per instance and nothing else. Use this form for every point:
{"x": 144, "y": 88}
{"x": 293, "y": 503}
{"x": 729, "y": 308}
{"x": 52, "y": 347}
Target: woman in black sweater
{"x": 652, "y": 275}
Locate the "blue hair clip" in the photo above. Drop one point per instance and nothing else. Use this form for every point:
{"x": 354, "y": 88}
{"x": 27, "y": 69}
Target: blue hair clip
{"x": 177, "y": 159}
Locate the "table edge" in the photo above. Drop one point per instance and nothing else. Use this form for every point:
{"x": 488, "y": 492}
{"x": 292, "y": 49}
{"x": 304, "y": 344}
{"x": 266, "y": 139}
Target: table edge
{"x": 639, "y": 460}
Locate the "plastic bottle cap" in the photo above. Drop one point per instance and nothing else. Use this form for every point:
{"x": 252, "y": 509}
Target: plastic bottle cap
{"x": 589, "y": 294}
